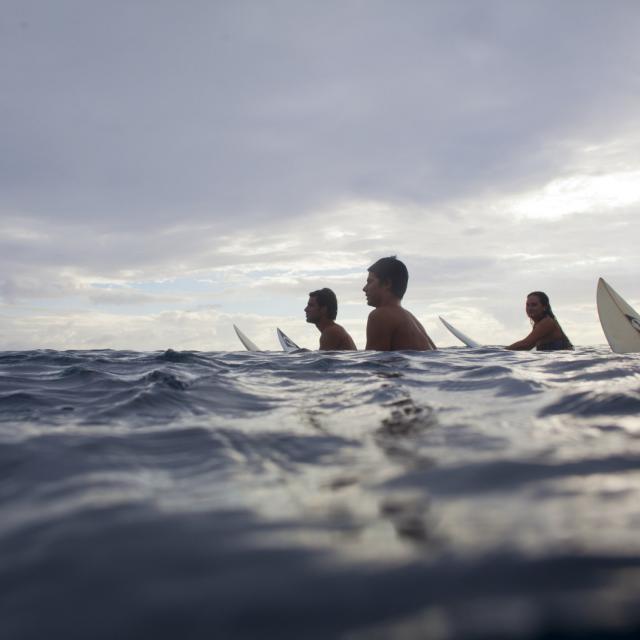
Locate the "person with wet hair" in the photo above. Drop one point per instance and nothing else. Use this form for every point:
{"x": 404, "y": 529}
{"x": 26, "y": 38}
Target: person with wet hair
{"x": 546, "y": 334}
{"x": 322, "y": 310}
{"x": 390, "y": 327}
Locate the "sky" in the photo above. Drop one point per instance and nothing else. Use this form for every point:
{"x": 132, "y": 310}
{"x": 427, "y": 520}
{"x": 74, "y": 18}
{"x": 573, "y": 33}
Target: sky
{"x": 169, "y": 169}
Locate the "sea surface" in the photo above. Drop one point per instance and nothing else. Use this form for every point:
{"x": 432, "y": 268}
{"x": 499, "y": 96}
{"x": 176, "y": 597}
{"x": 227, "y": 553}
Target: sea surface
{"x": 461, "y": 493}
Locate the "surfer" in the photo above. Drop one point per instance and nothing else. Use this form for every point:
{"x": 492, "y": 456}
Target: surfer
{"x": 547, "y": 334}
{"x": 390, "y": 327}
{"x": 322, "y": 310}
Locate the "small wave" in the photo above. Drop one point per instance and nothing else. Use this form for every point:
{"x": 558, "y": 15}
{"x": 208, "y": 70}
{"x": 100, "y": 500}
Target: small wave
{"x": 502, "y": 386}
{"x": 491, "y": 371}
{"x": 184, "y": 357}
{"x": 165, "y": 379}
{"x": 504, "y": 476}
{"x": 595, "y": 403}
{"x": 21, "y": 400}
{"x": 79, "y": 374}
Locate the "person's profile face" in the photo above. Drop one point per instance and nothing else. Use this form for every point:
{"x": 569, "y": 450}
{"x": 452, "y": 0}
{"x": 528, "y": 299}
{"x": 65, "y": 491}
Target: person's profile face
{"x": 534, "y": 308}
{"x": 372, "y": 289}
{"x": 312, "y": 310}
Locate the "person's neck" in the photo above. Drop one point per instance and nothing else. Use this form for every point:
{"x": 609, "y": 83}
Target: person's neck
{"x": 390, "y": 301}
{"x": 323, "y": 324}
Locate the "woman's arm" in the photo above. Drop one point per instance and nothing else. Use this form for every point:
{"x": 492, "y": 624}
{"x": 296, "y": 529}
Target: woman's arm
{"x": 542, "y": 329}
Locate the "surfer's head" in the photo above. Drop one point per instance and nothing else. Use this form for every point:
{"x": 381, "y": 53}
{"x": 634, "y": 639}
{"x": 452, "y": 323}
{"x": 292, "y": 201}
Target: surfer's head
{"x": 322, "y": 298}
{"x": 393, "y": 271}
{"x": 538, "y": 305}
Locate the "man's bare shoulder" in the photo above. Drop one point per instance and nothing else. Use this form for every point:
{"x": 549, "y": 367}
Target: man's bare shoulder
{"x": 384, "y": 313}
{"x": 334, "y": 331}
{"x": 336, "y": 337}
{"x": 382, "y": 324}
{"x": 415, "y": 320}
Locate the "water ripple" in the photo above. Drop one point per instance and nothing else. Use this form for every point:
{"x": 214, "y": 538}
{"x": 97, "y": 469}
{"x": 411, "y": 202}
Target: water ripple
{"x": 450, "y": 494}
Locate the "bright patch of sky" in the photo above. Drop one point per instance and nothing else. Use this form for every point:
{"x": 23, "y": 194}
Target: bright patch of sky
{"x": 581, "y": 193}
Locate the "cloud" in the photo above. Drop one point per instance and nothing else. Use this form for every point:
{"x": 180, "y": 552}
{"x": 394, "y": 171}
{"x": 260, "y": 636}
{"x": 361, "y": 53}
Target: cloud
{"x": 130, "y": 297}
{"x": 161, "y": 158}
{"x": 203, "y": 330}
{"x": 132, "y": 115}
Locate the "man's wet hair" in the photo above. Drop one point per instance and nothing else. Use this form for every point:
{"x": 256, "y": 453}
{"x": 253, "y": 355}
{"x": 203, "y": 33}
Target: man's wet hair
{"x": 393, "y": 270}
{"x": 326, "y": 298}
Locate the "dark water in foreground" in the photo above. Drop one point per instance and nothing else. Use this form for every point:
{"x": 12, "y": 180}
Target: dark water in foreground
{"x": 454, "y": 494}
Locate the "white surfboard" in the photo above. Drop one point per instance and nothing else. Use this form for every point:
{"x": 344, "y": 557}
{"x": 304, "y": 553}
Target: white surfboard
{"x": 249, "y": 346}
{"x": 620, "y": 322}
{"x": 286, "y": 342}
{"x": 458, "y": 334}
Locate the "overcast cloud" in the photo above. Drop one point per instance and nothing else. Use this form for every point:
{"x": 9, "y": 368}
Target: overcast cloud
{"x": 170, "y": 168}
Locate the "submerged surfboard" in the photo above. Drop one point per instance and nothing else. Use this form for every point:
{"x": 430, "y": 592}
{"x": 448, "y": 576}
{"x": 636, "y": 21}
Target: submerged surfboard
{"x": 249, "y": 346}
{"x": 620, "y": 322}
{"x": 286, "y": 342}
{"x": 458, "y": 334}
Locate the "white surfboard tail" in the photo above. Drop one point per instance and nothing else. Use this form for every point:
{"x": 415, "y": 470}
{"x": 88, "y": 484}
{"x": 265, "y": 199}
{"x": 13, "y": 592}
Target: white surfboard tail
{"x": 620, "y": 322}
{"x": 248, "y": 344}
{"x": 286, "y": 342}
{"x": 466, "y": 340}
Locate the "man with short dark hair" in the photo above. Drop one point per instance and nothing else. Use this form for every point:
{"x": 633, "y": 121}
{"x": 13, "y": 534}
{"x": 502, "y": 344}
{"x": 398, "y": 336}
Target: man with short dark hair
{"x": 389, "y": 326}
{"x": 322, "y": 310}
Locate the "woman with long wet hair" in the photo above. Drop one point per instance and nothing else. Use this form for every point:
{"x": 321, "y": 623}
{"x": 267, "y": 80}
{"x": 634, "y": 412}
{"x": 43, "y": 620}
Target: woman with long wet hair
{"x": 546, "y": 334}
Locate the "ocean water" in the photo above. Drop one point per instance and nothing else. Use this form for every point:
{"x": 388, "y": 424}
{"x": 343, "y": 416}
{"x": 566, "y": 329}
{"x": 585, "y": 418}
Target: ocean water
{"x": 462, "y": 493}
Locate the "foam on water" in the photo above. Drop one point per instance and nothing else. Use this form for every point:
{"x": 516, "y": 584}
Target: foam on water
{"x": 450, "y": 494}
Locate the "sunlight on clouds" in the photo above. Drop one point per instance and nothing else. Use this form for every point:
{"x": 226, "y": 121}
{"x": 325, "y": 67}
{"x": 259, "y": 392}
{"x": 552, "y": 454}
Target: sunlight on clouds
{"x": 259, "y": 278}
{"x": 333, "y": 233}
{"x": 323, "y": 238}
{"x": 580, "y": 193}
{"x": 253, "y": 245}
{"x": 202, "y": 330}
{"x": 604, "y": 260}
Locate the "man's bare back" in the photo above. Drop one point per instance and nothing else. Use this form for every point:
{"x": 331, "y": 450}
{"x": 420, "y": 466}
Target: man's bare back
{"x": 335, "y": 338}
{"x": 395, "y": 329}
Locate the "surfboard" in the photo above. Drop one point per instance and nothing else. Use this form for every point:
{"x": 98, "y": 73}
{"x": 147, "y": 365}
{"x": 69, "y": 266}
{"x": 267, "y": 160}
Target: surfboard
{"x": 458, "y": 334}
{"x": 620, "y": 322}
{"x": 249, "y": 346}
{"x": 286, "y": 342}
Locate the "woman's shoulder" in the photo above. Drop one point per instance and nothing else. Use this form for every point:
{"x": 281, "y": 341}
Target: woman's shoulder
{"x": 545, "y": 322}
